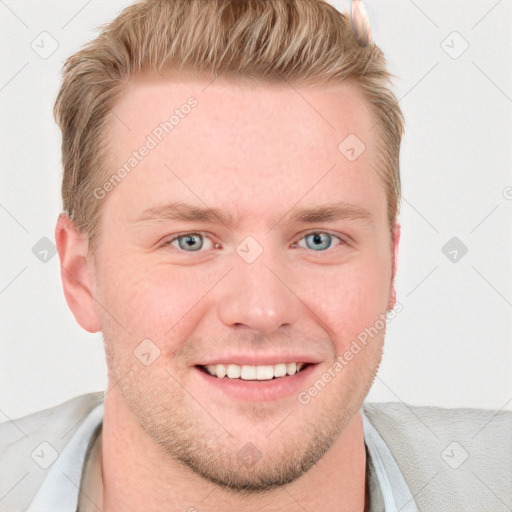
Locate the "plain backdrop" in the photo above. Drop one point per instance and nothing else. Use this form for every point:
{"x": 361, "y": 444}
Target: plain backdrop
{"x": 451, "y": 344}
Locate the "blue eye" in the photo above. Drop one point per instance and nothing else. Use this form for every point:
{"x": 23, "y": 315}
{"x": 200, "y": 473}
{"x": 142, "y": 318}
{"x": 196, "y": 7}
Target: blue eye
{"x": 189, "y": 242}
{"x": 319, "y": 240}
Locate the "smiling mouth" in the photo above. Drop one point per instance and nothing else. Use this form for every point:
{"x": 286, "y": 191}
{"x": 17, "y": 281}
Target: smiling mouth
{"x": 253, "y": 372}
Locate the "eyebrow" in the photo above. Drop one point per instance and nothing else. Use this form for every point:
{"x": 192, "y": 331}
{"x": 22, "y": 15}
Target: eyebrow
{"x": 180, "y": 211}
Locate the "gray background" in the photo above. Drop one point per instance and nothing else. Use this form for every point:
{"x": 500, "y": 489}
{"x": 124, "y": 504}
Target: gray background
{"x": 451, "y": 344}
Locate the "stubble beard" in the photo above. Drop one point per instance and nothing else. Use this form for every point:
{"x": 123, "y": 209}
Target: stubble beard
{"x": 185, "y": 432}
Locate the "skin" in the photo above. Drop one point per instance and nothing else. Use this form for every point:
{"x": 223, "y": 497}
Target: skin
{"x": 169, "y": 441}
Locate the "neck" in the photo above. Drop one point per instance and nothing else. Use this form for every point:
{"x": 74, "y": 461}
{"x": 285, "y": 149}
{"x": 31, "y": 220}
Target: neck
{"x": 139, "y": 475}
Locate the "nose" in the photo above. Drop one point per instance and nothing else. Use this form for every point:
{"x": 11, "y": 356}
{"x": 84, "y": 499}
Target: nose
{"x": 258, "y": 296}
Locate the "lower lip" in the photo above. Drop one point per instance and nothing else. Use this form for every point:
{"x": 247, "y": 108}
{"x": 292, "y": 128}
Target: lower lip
{"x": 258, "y": 390}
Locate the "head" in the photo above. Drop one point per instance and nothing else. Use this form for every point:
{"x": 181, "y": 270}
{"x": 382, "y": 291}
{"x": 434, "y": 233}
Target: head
{"x": 268, "y": 117}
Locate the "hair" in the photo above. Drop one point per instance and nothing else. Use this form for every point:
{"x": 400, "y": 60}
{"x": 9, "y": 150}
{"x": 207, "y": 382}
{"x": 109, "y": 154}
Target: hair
{"x": 276, "y": 41}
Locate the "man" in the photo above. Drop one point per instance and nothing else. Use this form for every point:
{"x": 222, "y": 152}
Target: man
{"x": 231, "y": 189}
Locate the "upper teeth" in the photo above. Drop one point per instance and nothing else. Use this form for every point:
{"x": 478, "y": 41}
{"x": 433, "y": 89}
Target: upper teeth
{"x": 253, "y": 372}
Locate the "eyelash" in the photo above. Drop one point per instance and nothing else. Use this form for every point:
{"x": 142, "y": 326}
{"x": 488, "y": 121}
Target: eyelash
{"x": 205, "y": 235}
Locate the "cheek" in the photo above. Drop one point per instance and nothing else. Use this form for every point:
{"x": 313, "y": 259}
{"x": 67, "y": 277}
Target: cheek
{"x": 156, "y": 301}
{"x": 354, "y": 298}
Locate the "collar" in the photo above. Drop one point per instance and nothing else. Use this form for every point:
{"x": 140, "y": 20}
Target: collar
{"x": 395, "y": 492}
{"x": 60, "y": 488}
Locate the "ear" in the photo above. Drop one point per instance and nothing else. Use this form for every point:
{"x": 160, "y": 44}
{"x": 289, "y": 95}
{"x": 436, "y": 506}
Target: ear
{"x": 76, "y": 273}
{"x": 394, "y": 247}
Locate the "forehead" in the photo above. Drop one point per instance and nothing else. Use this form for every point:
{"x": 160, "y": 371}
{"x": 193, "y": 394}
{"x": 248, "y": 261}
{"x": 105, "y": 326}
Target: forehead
{"x": 232, "y": 142}
{"x": 256, "y": 107}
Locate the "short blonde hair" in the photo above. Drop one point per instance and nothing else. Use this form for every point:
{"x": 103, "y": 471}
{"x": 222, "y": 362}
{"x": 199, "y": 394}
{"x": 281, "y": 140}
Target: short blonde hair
{"x": 298, "y": 41}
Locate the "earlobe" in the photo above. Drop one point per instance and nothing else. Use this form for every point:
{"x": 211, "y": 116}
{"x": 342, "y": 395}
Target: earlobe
{"x": 395, "y": 245}
{"x": 75, "y": 273}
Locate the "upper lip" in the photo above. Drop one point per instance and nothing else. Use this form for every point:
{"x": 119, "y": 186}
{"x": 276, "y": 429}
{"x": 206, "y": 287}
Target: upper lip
{"x": 261, "y": 359}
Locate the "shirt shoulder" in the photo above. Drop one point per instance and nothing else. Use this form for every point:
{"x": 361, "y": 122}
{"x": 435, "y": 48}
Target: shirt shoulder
{"x": 31, "y": 444}
{"x": 451, "y": 459}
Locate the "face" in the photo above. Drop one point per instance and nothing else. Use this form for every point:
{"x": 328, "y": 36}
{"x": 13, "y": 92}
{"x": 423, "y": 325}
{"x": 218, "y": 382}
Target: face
{"x": 242, "y": 241}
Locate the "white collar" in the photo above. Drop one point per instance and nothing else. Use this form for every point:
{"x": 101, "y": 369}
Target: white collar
{"x": 59, "y": 491}
{"x": 396, "y": 494}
